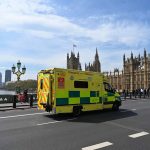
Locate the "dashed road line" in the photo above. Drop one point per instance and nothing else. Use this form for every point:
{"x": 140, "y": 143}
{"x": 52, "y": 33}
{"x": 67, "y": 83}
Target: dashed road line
{"x": 52, "y": 122}
{"x": 128, "y": 110}
{"x": 40, "y": 124}
{"x": 24, "y": 115}
{"x": 138, "y": 134}
{"x": 97, "y": 146}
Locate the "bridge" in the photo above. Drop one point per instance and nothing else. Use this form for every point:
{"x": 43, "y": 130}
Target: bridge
{"x": 8, "y": 102}
{"x": 33, "y": 129}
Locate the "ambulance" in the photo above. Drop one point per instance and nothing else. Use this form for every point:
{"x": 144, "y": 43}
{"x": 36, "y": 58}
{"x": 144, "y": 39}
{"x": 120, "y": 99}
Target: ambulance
{"x": 74, "y": 91}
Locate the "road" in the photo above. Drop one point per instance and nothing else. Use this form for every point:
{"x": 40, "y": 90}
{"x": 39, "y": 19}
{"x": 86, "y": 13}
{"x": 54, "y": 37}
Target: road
{"x": 31, "y": 129}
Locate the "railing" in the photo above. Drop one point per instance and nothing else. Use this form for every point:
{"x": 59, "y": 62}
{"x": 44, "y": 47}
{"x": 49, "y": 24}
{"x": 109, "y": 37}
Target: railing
{"x": 135, "y": 95}
{"x": 15, "y": 101}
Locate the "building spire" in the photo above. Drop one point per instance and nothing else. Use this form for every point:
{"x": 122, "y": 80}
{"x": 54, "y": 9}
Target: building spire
{"x": 131, "y": 55}
{"x": 145, "y": 53}
{"x": 124, "y": 58}
{"x": 139, "y": 57}
{"x": 96, "y": 55}
{"x": 78, "y": 55}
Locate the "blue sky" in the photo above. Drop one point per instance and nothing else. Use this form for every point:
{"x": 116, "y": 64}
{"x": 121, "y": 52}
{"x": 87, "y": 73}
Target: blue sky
{"x": 40, "y": 33}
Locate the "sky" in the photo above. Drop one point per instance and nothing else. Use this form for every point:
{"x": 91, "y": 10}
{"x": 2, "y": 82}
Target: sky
{"x": 40, "y": 33}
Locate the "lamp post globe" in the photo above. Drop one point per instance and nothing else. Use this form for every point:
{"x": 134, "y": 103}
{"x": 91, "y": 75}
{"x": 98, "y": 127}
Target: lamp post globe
{"x": 19, "y": 65}
{"x": 13, "y": 68}
{"x": 24, "y": 70}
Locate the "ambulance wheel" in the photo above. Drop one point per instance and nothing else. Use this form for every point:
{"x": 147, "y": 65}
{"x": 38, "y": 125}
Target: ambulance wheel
{"x": 115, "y": 106}
{"x": 76, "y": 111}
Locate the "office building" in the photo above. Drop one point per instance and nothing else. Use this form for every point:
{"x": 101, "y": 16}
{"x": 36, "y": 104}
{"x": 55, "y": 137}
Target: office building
{"x": 0, "y": 79}
{"x": 7, "y": 75}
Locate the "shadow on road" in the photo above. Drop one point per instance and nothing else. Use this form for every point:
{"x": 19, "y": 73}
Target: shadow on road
{"x": 94, "y": 116}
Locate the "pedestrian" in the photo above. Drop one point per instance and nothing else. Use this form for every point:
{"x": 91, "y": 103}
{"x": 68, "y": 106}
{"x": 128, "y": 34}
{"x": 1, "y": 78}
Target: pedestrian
{"x": 25, "y": 94}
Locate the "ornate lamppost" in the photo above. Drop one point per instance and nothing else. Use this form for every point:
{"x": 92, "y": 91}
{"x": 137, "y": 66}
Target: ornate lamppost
{"x": 18, "y": 73}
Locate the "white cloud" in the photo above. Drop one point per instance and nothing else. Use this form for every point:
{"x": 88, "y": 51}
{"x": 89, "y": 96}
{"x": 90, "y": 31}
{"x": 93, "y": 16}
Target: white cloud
{"x": 2, "y": 67}
{"x": 19, "y": 17}
{"x": 25, "y": 7}
{"x": 125, "y": 33}
{"x": 38, "y": 19}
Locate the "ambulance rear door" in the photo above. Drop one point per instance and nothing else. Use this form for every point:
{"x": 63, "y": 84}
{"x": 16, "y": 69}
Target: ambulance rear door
{"x": 44, "y": 90}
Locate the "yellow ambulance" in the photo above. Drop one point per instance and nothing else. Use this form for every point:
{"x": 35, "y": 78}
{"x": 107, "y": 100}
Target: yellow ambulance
{"x": 74, "y": 91}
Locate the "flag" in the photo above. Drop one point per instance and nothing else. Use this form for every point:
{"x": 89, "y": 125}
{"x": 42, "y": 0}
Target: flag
{"x": 74, "y": 45}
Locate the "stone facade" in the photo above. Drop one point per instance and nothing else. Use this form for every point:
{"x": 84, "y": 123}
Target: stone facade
{"x": 73, "y": 62}
{"x": 96, "y": 66}
{"x": 135, "y": 73}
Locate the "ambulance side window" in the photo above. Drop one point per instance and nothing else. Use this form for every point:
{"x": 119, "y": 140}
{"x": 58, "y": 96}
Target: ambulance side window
{"x": 41, "y": 84}
{"x": 80, "y": 84}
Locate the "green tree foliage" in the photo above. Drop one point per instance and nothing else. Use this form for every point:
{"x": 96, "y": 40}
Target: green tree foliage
{"x": 31, "y": 85}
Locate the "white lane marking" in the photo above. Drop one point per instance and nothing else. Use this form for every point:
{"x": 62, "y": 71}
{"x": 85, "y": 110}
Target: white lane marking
{"x": 97, "y": 146}
{"x": 6, "y": 117}
{"x": 40, "y": 124}
{"x": 138, "y": 134}
{"x": 45, "y": 123}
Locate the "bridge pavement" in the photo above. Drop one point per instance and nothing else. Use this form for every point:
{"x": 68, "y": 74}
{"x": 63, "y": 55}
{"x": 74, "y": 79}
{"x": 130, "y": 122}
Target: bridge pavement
{"x": 30, "y": 129}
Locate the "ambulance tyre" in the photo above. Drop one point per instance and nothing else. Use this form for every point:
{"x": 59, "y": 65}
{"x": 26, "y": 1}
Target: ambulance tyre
{"x": 115, "y": 106}
{"x": 77, "y": 110}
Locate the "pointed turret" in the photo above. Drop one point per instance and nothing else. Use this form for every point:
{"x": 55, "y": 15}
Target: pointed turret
{"x": 145, "y": 53}
{"x": 96, "y": 55}
{"x": 139, "y": 57}
{"x": 78, "y": 55}
{"x": 131, "y": 55}
{"x": 73, "y": 62}
{"x": 124, "y": 59}
{"x": 67, "y": 55}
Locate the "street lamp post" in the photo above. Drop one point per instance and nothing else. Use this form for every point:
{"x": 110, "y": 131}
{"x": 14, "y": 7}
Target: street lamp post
{"x": 18, "y": 73}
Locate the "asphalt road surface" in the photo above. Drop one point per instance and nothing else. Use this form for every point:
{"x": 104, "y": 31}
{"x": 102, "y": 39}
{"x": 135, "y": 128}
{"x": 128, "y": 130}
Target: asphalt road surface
{"x": 31, "y": 129}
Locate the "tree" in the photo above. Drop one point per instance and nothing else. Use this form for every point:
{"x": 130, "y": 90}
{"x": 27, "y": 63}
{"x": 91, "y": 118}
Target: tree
{"x": 31, "y": 85}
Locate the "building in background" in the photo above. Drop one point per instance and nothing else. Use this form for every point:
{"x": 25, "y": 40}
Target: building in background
{"x": 73, "y": 62}
{"x": 96, "y": 66}
{"x": 7, "y": 75}
{"x": 135, "y": 73}
{"x": 0, "y": 79}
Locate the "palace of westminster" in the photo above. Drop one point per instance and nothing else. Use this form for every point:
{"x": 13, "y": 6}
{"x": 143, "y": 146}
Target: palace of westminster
{"x": 134, "y": 75}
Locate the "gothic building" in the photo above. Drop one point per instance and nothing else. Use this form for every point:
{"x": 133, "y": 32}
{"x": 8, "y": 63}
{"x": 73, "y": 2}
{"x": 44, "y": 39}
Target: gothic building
{"x": 73, "y": 62}
{"x": 96, "y": 66}
{"x": 135, "y": 73}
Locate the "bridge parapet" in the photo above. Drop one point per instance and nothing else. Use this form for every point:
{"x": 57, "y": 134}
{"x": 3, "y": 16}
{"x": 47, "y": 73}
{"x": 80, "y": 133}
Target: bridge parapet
{"x": 18, "y": 100}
